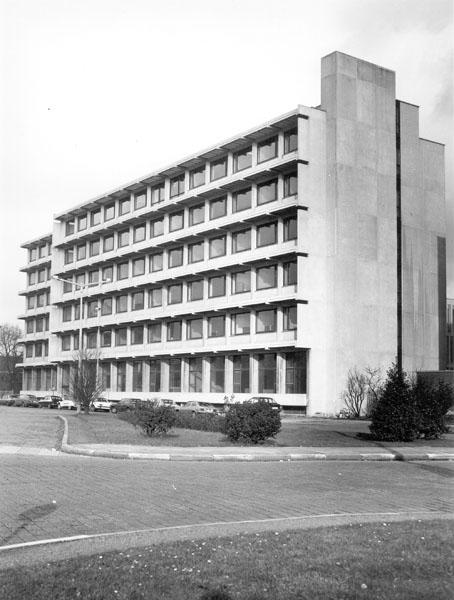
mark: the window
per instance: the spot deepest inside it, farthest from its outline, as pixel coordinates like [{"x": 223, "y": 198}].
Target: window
[
  {"x": 195, "y": 329},
  {"x": 80, "y": 280},
  {"x": 121, "y": 376},
  {"x": 137, "y": 335},
  {"x": 177, "y": 186},
  {"x": 32, "y": 254},
  {"x": 122, "y": 303},
  {"x": 69, "y": 227},
  {"x": 196, "y": 252},
  {"x": 218, "y": 208},
  {"x": 123, "y": 238},
  {"x": 196, "y": 214},
  {"x": 38, "y": 349},
  {"x": 137, "y": 301},
  {"x": 121, "y": 336},
  {"x": 29, "y": 350},
  {"x": 66, "y": 342},
  {"x": 267, "y": 373},
  {"x": 92, "y": 339},
  {"x": 95, "y": 217},
  {"x": 137, "y": 376},
  {"x": 41, "y": 275},
  {"x": 66, "y": 314},
  {"x": 40, "y": 324},
  {"x": 241, "y": 240},
  {"x": 290, "y": 185},
  {"x": 140, "y": 200},
  {"x": 267, "y": 149},
  {"x": 106, "y": 338},
  {"x": 217, "y": 246},
  {"x": 175, "y": 294},
  {"x": 107, "y": 274},
  {"x": 155, "y": 297},
  {"x": 82, "y": 223},
  {"x": 289, "y": 314},
  {"x": 94, "y": 248},
  {"x": 92, "y": 309},
  {"x": 265, "y": 321},
  {"x": 195, "y": 374},
  {"x": 106, "y": 306},
  {"x": 81, "y": 252},
  {"x": 176, "y": 221},
  {"x": 155, "y": 376},
  {"x": 266, "y": 277},
  {"x": 217, "y": 371},
  {"x": 108, "y": 243},
  {"x": 240, "y": 363},
  {"x": 197, "y": 177},
  {"x": 41, "y": 251},
  {"x": 123, "y": 271},
  {"x": 290, "y": 141},
  {"x": 267, "y": 234},
  {"x": 242, "y": 159},
  {"x": 216, "y": 286},
  {"x": 125, "y": 206},
  {"x": 76, "y": 312},
  {"x": 156, "y": 262},
  {"x": 290, "y": 273},
  {"x": 138, "y": 267},
  {"x": 157, "y": 228},
  {"x": 93, "y": 277},
  {"x": 218, "y": 168},
  {"x": 40, "y": 300},
  {"x": 32, "y": 278},
  {"x": 69, "y": 255},
  {"x": 242, "y": 200},
  {"x": 105, "y": 376},
  {"x": 290, "y": 228},
  {"x": 241, "y": 324},
  {"x": 267, "y": 192},
  {"x": 109, "y": 212},
  {"x": 216, "y": 326},
  {"x": 174, "y": 331},
  {"x": 139, "y": 233},
  {"x": 175, "y": 375},
  {"x": 30, "y": 324},
  {"x": 176, "y": 257},
  {"x": 295, "y": 372},
  {"x": 154, "y": 333},
  {"x": 241, "y": 282},
  {"x": 158, "y": 194},
  {"x": 195, "y": 290}
]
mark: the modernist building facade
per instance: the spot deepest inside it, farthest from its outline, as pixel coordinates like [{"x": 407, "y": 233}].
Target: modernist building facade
[
  {"x": 268, "y": 264},
  {"x": 450, "y": 335}
]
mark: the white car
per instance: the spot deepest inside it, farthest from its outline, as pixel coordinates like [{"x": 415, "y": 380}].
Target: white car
[
  {"x": 197, "y": 407},
  {"x": 101, "y": 404},
  {"x": 68, "y": 404}
]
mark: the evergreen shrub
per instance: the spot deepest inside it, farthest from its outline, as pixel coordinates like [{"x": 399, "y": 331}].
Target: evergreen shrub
[{"x": 252, "y": 422}]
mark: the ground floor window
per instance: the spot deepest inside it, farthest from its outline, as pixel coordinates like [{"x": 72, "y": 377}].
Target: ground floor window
[
  {"x": 121, "y": 376},
  {"x": 295, "y": 372},
  {"x": 155, "y": 375},
  {"x": 105, "y": 376},
  {"x": 137, "y": 376},
  {"x": 267, "y": 373},
  {"x": 175, "y": 375},
  {"x": 38, "y": 379},
  {"x": 241, "y": 374},
  {"x": 65, "y": 379},
  {"x": 217, "y": 377},
  {"x": 195, "y": 374}
]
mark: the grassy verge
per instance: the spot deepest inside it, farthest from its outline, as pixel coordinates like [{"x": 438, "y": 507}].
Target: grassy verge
[{"x": 384, "y": 560}]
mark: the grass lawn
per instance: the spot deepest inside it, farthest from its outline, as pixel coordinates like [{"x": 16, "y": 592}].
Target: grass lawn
[{"x": 381, "y": 561}]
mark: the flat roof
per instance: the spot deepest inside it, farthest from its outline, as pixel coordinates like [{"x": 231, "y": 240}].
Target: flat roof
[{"x": 37, "y": 241}]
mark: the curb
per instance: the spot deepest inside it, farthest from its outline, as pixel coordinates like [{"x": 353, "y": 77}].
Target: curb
[{"x": 245, "y": 457}]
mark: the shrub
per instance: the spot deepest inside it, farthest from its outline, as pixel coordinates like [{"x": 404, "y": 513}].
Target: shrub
[
  {"x": 432, "y": 403},
  {"x": 252, "y": 421},
  {"x": 5, "y": 402},
  {"x": 18, "y": 402},
  {"x": 200, "y": 422},
  {"x": 151, "y": 418}
]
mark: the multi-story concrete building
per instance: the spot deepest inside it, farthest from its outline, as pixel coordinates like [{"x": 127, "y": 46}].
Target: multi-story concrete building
[
  {"x": 450, "y": 335},
  {"x": 268, "y": 264}
]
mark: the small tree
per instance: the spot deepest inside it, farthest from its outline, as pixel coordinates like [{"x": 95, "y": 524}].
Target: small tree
[
  {"x": 85, "y": 383},
  {"x": 10, "y": 353},
  {"x": 432, "y": 402},
  {"x": 355, "y": 393}
]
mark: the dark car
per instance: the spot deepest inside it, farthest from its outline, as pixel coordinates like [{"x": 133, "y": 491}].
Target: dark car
[
  {"x": 50, "y": 401},
  {"x": 271, "y": 401},
  {"x": 28, "y": 400},
  {"x": 125, "y": 404}
]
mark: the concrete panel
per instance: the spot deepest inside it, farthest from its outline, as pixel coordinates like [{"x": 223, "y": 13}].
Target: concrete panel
[
  {"x": 367, "y": 237},
  {"x": 366, "y": 147},
  {"x": 366, "y": 190},
  {"x": 346, "y": 142},
  {"x": 365, "y": 99}
]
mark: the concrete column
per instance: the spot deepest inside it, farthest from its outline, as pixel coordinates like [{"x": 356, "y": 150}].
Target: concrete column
[
  {"x": 165, "y": 375},
  {"x": 228, "y": 375},
  {"x": 184, "y": 375},
  {"x": 254, "y": 374},
  {"x": 128, "y": 375},
  {"x": 113, "y": 377},
  {"x": 280, "y": 373},
  {"x": 253, "y": 193},
  {"x": 254, "y": 154},
  {"x": 206, "y": 374}
]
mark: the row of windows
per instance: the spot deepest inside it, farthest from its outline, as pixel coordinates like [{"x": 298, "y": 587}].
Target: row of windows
[
  {"x": 39, "y": 276},
  {"x": 176, "y": 221},
  {"x": 39, "y": 252},
  {"x": 266, "y": 277},
  {"x": 266, "y": 150},
  {"x": 38, "y": 300},
  {"x": 37, "y": 325},
  {"x": 240, "y": 324},
  {"x": 40, "y": 379},
  {"x": 37, "y": 349}
]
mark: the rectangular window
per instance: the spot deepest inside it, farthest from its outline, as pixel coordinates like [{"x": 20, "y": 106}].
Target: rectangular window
[
  {"x": 241, "y": 324},
  {"x": 40, "y": 300},
  {"x": 242, "y": 159},
  {"x": 240, "y": 363},
  {"x": 267, "y": 234},
  {"x": 267, "y": 373},
  {"x": 196, "y": 252},
  {"x": 125, "y": 206},
  {"x": 155, "y": 297},
  {"x": 154, "y": 333},
  {"x": 121, "y": 376},
  {"x": 195, "y": 374},
  {"x": 81, "y": 252},
  {"x": 92, "y": 340},
  {"x": 267, "y": 192},
  {"x": 242, "y": 200},
  {"x": 69, "y": 227},
  {"x": 32, "y": 278},
  {"x": 94, "y": 248},
  {"x": 155, "y": 376},
  {"x": 123, "y": 271},
  {"x": 106, "y": 338},
  {"x": 196, "y": 214},
  {"x": 156, "y": 262},
  {"x": 40, "y": 324},
  {"x": 158, "y": 194},
  {"x": 121, "y": 303},
  {"x": 123, "y": 238},
  {"x": 175, "y": 294},
  {"x": 140, "y": 200},
  {"x": 241, "y": 282},
  {"x": 175, "y": 375},
  {"x": 217, "y": 374},
  {"x": 265, "y": 321},
  {"x": 77, "y": 311},
  {"x": 267, "y": 149},
  {"x": 107, "y": 274},
  {"x": 137, "y": 335},
  {"x": 82, "y": 223},
  {"x": 121, "y": 336},
  {"x": 95, "y": 217},
  {"x": 137, "y": 300},
  {"x": 218, "y": 169},
  {"x": 216, "y": 326},
  {"x": 106, "y": 306},
  {"x": 290, "y": 273},
  {"x": 217, "y": 246},
  {"x": 175, "y": 257},
  {"x": 108, "y": 243},
  {"x": 38, "y": 349},
  {"x": 176, "y": 221},
  {"x": 267, "y": 277},
  {"x": 290, "y": 229},
  {"x": 195, "y": 329},
  {"x": 92, "y": 309},
  {"x": 69, "y": 255},
  {"x": 93, "y": 277},
  {"x": 30, "y": 323},
  {"x": 197, "y": 177},
  {"x": 218, "y": 208},
  {"x": 290, "y": 185},
  {"x": 216, "y": 286},
  {"x": 289, "y": 314},
  {"x": 177, "y": 186},
  {"x": 138, "y": 267},
  {"x": 29, "y": 350},
  {"x": 290, "y": 141},
  {"x": 80, "y": 280},
  {"x": 32, "y": 254},
  {"x": 41, "y": 275},
  {"x": 241, "y": 240},
  {"x": 195, "y": 290},
  {"x": 174, "y": 331},
  {"x": 67, "y": 314},
  {"x": 109, "y": 212},
  {"x": 41, "y": 251},
  {"x": 66, "y": 342},
  {"x": 156, "y": 228},
  {"x": 139, "y": 233},
  {"x": 105, "y": 376}
]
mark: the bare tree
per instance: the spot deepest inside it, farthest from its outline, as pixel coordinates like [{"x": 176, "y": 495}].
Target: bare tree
[
  {"x": 86, "y": 385},
  {"x": 355, "y": 392},
  {"x": 10, "y": 351},
  {"x": 374, "y": 387}
]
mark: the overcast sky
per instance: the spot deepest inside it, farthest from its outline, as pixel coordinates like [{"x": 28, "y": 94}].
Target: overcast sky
[{"x": 96, "y": 93}]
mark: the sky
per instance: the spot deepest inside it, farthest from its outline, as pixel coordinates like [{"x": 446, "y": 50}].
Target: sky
[{"x": 96, "y": 93}]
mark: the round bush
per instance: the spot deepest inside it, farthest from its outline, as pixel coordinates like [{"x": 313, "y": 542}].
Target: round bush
[{"x": 252, "y": 422}]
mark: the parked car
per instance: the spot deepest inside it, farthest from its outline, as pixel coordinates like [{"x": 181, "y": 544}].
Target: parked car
[
  {"x": 67, "y": 404},
  {"x": 196, "y": 407},
  {"x": 125, "y": 404},
  {"x": 28, "y": 400},
  {"x": 168, "y": 402},
  {"x": 271, "y": 401},
  {"x": 101, "y": 404},
  {"x": 50, "y": 401}
]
